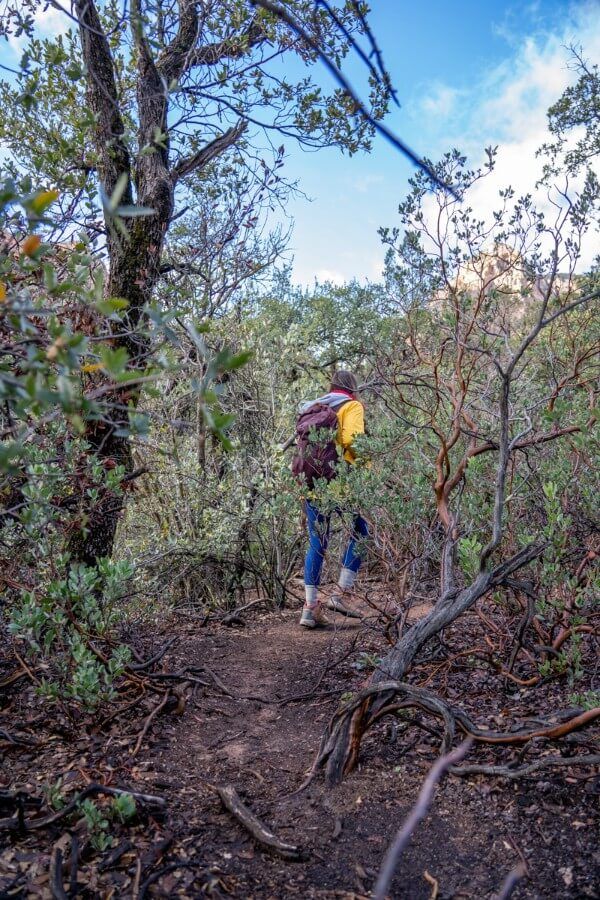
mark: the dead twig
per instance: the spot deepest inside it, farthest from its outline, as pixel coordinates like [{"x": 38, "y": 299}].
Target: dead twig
[
  {"x": 73, "y": 866},
  {"x": 511, "y": 881},
  {"x": 417, "y": 813},
  {"x": 228, "y": 692},
  {"x": 435, "y": 887},
  {"x": 139, "y": 667},
  {"x": 135, "y": 889},
  {"x": 232, "y": 802},
  {"x": 149, "y": 720},
  {"x": 26, "y": 669},
  {"x": 233, "y": 616},
  {"x": 13, "y": 677},
  {"x": 56, "y": 879},
  {"x": 179, "y": 692}
]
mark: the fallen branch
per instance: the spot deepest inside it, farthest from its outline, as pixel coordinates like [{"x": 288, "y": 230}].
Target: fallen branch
[
  {"x": 16, "y": 740},
  {"x": 13, "y": 677},
  {"x": 418, "y": 812},
  {"x": 227, "y": 691},
  {"x": 73, "y": 866},
  {"x": 149, "y": 721},
  {"x": 234, "y": 616},
  {"x": 232, "y": 802}
]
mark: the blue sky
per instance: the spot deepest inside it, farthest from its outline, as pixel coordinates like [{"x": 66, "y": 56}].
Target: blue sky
[{"x": 468, "y": 74}]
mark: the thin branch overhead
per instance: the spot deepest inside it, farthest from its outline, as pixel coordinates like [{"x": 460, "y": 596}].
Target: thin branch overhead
[{"x": 361, "y": 108}]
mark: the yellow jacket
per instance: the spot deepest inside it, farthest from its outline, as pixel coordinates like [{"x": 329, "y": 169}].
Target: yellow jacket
[{"x": 351, "y": 421}]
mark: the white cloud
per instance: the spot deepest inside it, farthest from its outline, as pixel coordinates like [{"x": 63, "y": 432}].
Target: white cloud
[
  {"x": 333, "y": 275},
  {"x": 508, "y": 109},
  {"x": 363, "y": 183},
  {"x": 376, "y": 266},
  {"x": 518, "y": 93},
  {"x": 48, "y": 23},
  {"x": 441, "y": 100},
  {"x": 506, "y": 105}
]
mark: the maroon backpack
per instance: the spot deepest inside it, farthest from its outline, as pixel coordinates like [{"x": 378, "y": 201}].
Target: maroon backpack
[{"x": 316, "y": 451}]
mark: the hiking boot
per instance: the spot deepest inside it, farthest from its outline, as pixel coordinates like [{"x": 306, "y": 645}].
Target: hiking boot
[
  {"x": 314, "y": 617},
  {"x": 336, "y": 604}
]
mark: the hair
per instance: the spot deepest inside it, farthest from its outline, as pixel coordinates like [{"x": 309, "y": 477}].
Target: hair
[{"x": 344, "y": 381}]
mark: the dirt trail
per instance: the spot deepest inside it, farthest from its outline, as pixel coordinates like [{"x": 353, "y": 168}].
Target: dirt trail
[
  {"x": 476, "y": 832},
  {"x": 467, "y": 844},
  {"x": 265, "y": 749}
]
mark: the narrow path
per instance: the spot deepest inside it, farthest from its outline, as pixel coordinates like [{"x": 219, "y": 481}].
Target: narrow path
[{"x": 265, "y": 748}]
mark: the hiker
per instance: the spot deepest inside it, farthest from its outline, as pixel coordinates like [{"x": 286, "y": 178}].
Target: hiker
[{"x": 339, "y": 416}]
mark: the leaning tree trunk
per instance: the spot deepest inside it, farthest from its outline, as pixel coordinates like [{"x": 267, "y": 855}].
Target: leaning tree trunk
[{"x": 341, "y": 744}]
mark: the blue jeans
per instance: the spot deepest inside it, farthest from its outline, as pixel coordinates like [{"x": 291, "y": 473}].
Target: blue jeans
[{"x": 318, "y": 539}]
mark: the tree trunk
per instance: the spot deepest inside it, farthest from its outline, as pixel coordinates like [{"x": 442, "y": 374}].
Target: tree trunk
[
  {"x": 134, "y": 271},
  {"x": 134, "y": 258}
]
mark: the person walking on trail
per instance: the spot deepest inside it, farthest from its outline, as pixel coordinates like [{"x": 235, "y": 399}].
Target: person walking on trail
[{"x": 326, "y": 428}]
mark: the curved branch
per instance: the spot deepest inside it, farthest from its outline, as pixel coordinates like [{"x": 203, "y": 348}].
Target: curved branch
[
  {"x": 418, "y": 812},
  {"x": 209, "y": 151},
  {"x": 232, "y": 48}
]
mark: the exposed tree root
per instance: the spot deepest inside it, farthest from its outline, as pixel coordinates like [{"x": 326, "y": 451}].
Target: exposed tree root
[
  {"x": 552, "y": 730},
  {"x": 545, "y": 762},
  {"x": 349, "y": 724},
  {"x": 139, "y": 667},
  {"x": 341, "y": 743}
]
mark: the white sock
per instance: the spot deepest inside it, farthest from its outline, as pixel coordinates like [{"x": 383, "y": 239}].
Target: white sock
[
  {"x": 310, "y": 591},
  {"x": 346, "y": 579}
]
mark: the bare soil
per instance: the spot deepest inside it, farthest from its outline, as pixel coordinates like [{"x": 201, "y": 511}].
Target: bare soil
[{"x": 477, "y": 829}]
